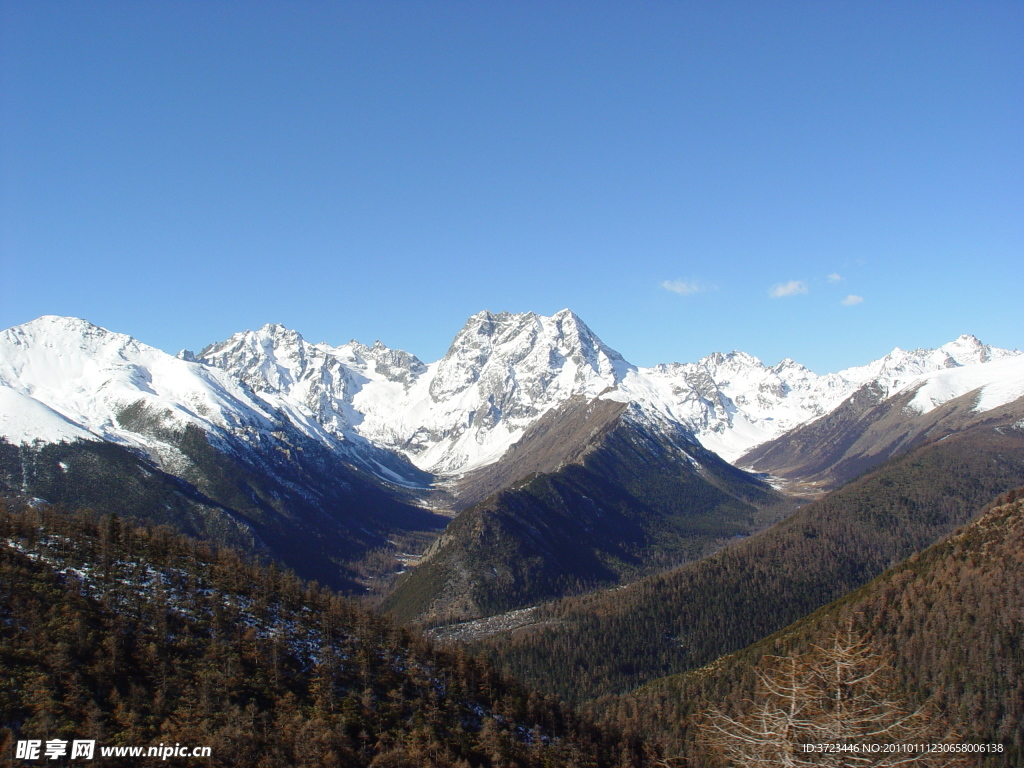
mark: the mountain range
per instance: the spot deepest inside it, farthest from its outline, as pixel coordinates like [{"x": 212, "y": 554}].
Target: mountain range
[
  {"x": 348, "y": 461},
  {"x": 607, "y": 533},
  {"x": 64, "y": 378}
]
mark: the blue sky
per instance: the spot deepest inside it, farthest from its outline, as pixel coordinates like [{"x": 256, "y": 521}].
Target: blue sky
[{"x": 182, "y": 171}]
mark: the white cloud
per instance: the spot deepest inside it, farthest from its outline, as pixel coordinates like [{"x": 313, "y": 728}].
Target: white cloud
[
  {"x": 834, "y": 278},
  {"x": 682, "y": 287},
  {"x": 792, "y": 288},
  {"x": 850, "y": 300}
]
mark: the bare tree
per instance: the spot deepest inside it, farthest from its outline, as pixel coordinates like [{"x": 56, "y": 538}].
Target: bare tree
[{"x": 836, "y": 705}]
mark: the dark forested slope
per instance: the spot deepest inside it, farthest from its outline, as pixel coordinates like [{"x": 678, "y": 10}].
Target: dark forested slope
[
  {"x": 948, "y": 620},
  {"x": 613, "y": 641},
  {"x": 136, "y": 636},
  {"x": 607, "y": 498},
  {"x": 305, "y": 507}
]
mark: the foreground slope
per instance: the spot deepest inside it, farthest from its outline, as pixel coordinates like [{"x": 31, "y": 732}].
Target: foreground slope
[
  {"x": 947, "y": 619},
  {"x": 614, "y": 641},
  {"x": 137, "y": 637}
]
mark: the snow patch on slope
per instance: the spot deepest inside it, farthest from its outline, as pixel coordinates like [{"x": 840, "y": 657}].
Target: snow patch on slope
[
  {"x": 999, "y": 383},
  {"x": 25, "y": 420}
]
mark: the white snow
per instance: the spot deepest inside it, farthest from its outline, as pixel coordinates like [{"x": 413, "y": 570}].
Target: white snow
[
  {"x": 999, "y": 382},
  {"x": 500, "y": 375},
  {"x": 503, "y": 372},
  {"x": 25, "y": 420},
  {"x": 63, "y": 378}
]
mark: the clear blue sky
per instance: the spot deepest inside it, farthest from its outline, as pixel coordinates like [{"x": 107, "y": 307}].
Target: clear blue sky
[{"x": 181, "y": 171}]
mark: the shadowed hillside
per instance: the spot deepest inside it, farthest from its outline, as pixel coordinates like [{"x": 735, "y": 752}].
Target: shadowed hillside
[
  {"x": 138, "y": 636},
  {"x": 613, "y": 641},
  {"x": 948, "y": 619}
]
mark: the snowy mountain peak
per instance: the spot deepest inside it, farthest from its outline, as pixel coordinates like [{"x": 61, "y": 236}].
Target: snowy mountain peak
[
  {"x": 50, "y": 329},
  {"x": 969, "y": 350},
  {"x": 788, "y": 364},
  {"x": 502, "y": 372},
  {"x": 112, "y": 387},
  {"x": 269, "y": 360},
  {"x": 393, "y": 364},
  {"x": 60, "y": 324},
  {"x": 524, "y": 354},
  {"x": 901, "y": 366},
  {"x": 730, "y": 361}
]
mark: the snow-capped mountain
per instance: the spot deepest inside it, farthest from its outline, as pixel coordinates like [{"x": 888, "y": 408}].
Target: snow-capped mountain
[
  {"x": 62, "y": 378},
  {"x": 500, "y": 375},
  {"x": 317, "y": 379},
  {"x": 733, "y": 402},
  {"x": 85, "y": 377},
  {"x": 900, "y": 367},
  {"x": 998, "y": 383},
  {"x": 114, "y": 424},
  {"x": 875, "y": 424}
]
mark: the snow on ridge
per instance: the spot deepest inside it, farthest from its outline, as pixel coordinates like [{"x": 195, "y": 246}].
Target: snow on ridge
[
  {"x": 998, "y": 382},
  {"x": 87, "y": 373},
  {"x": 501, "y": 373},
  {"x": 899, "y": 367},
  {"x": 68, "y": 379}
]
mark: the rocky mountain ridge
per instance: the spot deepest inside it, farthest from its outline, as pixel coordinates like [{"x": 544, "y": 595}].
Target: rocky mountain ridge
[
  {"x": 399, "y": 418},
  {"x": 504, "y": 371}
]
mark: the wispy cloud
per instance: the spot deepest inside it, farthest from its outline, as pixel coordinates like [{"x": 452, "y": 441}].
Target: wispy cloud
[
  {"x": 792, "y": 288},
  {"x": 851, "y": 300},
  {"x": 834, "y": 277},
  {"x": 683, "y": 287}
]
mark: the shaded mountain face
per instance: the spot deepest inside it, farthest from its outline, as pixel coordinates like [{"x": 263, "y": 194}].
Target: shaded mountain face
[
  {"x": 606, "y": 495},
  {"x": 613, "y": 641},
  {"x": 305, "y": 508}
]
